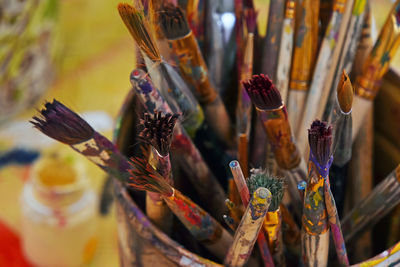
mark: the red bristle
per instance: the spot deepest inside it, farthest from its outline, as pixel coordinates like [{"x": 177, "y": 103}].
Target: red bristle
[
  {"x": 145, "y": 177},
  {"x": 263, "y": 92}
]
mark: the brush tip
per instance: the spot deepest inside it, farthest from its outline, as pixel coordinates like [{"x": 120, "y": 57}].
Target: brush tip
[
  {"x": 345, "y": 93},
  {"x": 261, "y": 178},
  {"x": 173, "y": 22},
  {"x": 320, "y": 139},
  {"x": 62, "y": 124},
  {"x": 157, "y": 130},
  {"x": 263, "y": 92}
]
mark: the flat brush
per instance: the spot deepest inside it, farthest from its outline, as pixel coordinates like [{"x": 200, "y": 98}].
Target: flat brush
[
  {"x": 157, "y": 131},
  {"x": 247, "y": 232},
  {"x": 273, "y": 220},
  {"x": 201, "y": 225},
  {"x": 194, "y": 70},
  {"x": 64, "y": 125},
  {"x": 199, "y": 174},
  {"x": 174, "y": 89},
  {"x": 315, "y": 225},
  {"x": 376, "y": 65},
  {"x": 272, "y": 112}
]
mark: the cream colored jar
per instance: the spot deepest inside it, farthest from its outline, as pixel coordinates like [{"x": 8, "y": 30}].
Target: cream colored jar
[{"x": 58, "y": 214}]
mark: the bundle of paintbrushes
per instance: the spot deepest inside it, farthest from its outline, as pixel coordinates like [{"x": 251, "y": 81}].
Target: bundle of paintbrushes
[{"x": 195, "y": 106}]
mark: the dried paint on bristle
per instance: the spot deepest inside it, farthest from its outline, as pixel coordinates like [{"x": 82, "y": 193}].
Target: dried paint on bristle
[
  {"x": 261, "y": 178},
  {"x": 251, "y": 20},
  {"x": 263, "y": 92},
  {"x": 320, "y": 139},
  {"x": 138, "y": 27},
  {"x": 173, "y": 22},
  {"x": 157, "y": 130},
  {"x": 62, "y": 124},
  {"x": 145, "y": 177},
  {"x": 345, "y": 93}
]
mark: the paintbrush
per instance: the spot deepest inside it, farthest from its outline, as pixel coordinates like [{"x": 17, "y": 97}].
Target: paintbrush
[
  {"x": 173, "y": 88},
  {"x": 383, "y": 198},
  {"x": 273, "y": 115},
  {"x": 249, "y": 228},
  {"x": 190, "y": 158},
  {"x": 139, "y": 226},
  {"x": 244, "y": 107},
  {"x": 375, "y": 66},
  {"x": 324, "y": 69},
  {"x": 157, "y": 131},
  {"x": 62, "y": 124},
  {"x": 348, "y": 51},
  {"x": 286, "y": 48},
  {"x": 194, "y": 70},
  {"x": 320, "y": 137},
  {"x": 389, "y": 257},
  {"x": 245, "y": 196},
  {"x": 271, "y": 44},
  {"x": 341, "y": 119},
  {"x": 273, "y": 220},
  {"x": 315, "y": 227},
  {"x": 200, "y": 224},
  {"x": 305, "y": 51}
]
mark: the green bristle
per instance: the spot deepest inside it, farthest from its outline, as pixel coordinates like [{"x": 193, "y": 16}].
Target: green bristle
[{"x": 260, "y": 178}]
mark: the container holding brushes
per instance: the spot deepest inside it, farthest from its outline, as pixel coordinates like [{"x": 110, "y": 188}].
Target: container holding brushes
[{"x": 177, "y": 203}]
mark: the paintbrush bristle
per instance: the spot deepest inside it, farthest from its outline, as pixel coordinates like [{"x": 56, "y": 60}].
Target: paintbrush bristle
[
  {"x": 260, "y": 178},
  {"x": 320, "y": 139},
  {"x": 60, "y": 123},
  {"x": 157, "y": 130},
  {"x": 251, "y": 20},
  {"x": 145, "y": 177},
  {"x": 345, "y": 93},
  {"x": 140, "y": 30},
  {"x": 173, "y": 22},
  {"x": 263, "y": 92}
]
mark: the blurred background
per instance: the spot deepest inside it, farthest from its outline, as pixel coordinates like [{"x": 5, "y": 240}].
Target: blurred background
[{"x": 85, "y": 55}]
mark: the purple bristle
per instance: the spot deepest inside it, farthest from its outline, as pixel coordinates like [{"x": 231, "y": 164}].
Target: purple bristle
[
  {"x": 263, "y": 92},
  {"x": 157, "y": 130},
  {"x": 60, "y": 123},
  {"x": 320, "y": 139}
]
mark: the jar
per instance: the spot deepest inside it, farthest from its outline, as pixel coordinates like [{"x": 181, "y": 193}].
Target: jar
[{"x": 58, "y": 214}]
